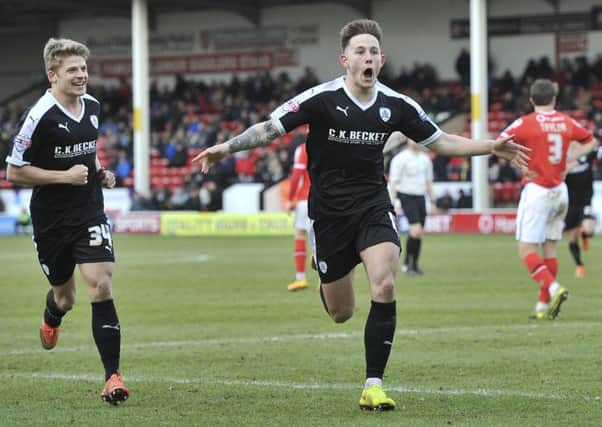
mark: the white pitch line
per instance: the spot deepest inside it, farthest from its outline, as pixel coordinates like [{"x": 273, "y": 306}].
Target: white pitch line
[
  {"x": 305, "y": 386},
  {"x": 150, "y": 258},
  {"x": 309, "y": 337},
  {"x": 184, "y": 259}
]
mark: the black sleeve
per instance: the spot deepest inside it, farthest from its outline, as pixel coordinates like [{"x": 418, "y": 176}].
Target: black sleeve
[{"x": 416, "y": 124}]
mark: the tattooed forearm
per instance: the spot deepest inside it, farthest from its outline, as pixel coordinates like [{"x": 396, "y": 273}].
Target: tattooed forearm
[
  {"x": 257, "y": 135},
  {"x": 246, "y": 140},
  {"x": 270, "y": 130}
]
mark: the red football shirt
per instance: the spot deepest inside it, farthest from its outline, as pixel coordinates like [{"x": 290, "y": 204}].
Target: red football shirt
[
  {"x": 300, "y": 174},
  {"x": 548, "y": 135}
]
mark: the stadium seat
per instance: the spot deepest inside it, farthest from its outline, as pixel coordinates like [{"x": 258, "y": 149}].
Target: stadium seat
[
  {"x": 507, "y": 192},
  {"x": 516, "y": 189},
  {"x": 159, "y": 162},
  {"x": 497, "y": 193},
  {"x": 245, "y": 166},
  {"x": 495, "y": 126},
  {"x": 157, "y": 183},
  {"x": 177, "y": 181}
]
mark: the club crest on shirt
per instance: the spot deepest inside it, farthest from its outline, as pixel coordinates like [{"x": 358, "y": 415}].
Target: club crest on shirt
[
  {"x": 94, "y": 121},
  {"x": 21, "y": 143},
  {"x": 385, "y": 113},
  {"x": 323, "y": 267}
]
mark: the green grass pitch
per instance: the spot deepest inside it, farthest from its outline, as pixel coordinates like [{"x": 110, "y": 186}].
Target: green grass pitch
[{"x": 211, "y": 337}]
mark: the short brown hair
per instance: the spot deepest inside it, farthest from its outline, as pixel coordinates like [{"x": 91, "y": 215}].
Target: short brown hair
[
  {"x": 360, "y": 26},
  {"x": 543, "y": 91},
  {"x": 56, "y": 49}
]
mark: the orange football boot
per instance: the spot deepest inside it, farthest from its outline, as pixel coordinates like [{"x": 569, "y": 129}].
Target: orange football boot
[
  {"x": 49, "y": 335},
  {"x": 114, "y": 390}
]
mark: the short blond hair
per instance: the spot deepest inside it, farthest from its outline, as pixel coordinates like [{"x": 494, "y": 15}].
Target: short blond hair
[{"x": 57, "y": 49}]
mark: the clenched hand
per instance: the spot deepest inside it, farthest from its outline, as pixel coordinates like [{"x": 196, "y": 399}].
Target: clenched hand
[{"x": 77, "y": 175}]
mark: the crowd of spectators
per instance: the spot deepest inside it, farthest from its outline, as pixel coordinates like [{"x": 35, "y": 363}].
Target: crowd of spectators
[
  {"x": 194, "y": 114},
  {"x": 580, "y": 84}
]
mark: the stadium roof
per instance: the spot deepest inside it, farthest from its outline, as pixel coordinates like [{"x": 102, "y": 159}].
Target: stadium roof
[{"x": 32, "y": 15}]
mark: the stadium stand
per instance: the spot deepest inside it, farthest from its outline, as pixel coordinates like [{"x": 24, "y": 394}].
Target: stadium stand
[{"x": 194, "y": 115}]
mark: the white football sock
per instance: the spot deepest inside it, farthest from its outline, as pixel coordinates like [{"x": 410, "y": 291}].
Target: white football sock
[
  {"x": 553, "y": 288},
  {"x": 373, "y": 381}
]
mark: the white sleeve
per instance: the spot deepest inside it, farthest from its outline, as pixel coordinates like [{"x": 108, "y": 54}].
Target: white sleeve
[
  {"x": 395, "y": 170},
  {"x": 22, "y": 142},
  {"x": 429, "y": 174}
]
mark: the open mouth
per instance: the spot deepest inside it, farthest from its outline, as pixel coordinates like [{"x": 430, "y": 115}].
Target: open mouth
[{"x": 368, "y": 74}]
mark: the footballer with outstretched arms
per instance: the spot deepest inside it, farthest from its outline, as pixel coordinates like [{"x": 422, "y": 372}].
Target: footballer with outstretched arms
[{"x": 350, "y": 118}]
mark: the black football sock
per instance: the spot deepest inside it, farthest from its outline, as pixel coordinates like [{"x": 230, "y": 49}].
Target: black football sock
[
  {"x": 107, "y": 335},
  {"x": 378, "y": 337},
  {"x": 418, "y": 245},
  {"x": 576, "y": 252},
  {"x": 410, "y": 251},
  {"x": 52, "y": 314}
]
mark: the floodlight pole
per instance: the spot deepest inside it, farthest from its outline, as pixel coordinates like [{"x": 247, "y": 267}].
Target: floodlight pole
[
  {"x": 478, "y": 96},
  {"x": 140, "y": 89}
]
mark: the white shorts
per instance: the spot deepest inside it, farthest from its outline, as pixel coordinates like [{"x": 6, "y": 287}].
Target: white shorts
[
  {"x": 301, "y": 217},
  {"x": 541, "y": 213}
]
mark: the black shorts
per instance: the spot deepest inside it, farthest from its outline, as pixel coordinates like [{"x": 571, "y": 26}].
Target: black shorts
[
  {"x": 575, "y": 215},
  {"x": 414, "y": 208},
  {"x": 339, "y": 241},
  {"x": 61, "y": 249}
]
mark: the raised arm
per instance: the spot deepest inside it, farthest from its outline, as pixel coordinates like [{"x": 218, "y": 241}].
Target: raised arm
[
  {"x": 258, "y": 135},
  {"x": 458, "y": 146}
]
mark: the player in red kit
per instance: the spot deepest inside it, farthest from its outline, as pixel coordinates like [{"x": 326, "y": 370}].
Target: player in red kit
[
  {"x": 299, "y": 191},
  {"x": 544, "y": 200}
]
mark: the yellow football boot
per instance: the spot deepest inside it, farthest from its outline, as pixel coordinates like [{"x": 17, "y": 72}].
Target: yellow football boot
[
  {"x": 375, "y": 399},
  {"x": 297, "y": 285},
  {"x": 561, "y": 295}
]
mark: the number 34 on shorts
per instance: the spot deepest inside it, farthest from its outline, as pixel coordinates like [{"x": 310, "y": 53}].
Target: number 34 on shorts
[{"x": 100, "y": 235}]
